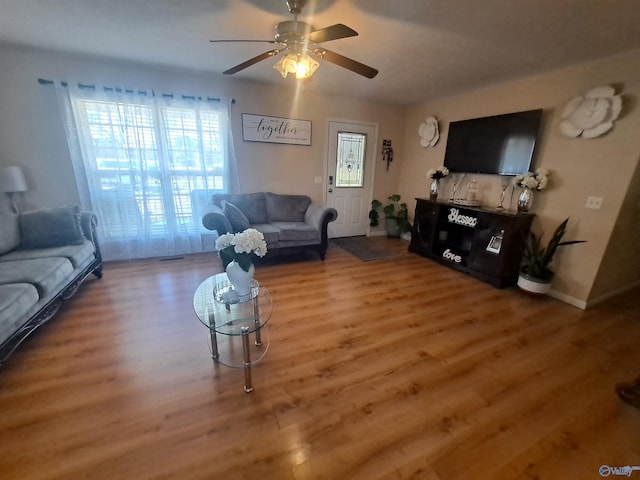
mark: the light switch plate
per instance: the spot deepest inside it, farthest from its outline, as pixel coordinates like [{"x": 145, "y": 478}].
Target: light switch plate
[{"x": 317, "y": 180}]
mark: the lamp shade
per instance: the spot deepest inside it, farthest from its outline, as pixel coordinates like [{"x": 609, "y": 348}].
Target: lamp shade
[
  {"x": 300, "y": 65},
  {"x": 12, "y": 180}
]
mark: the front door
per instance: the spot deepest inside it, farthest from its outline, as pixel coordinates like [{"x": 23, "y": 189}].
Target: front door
[{"x": 350, "y": 166}]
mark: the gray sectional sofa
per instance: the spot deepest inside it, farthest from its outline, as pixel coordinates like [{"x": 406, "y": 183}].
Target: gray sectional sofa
[
  {"x": 289, "y": 223},
  {"x": 44, "y": 257}
]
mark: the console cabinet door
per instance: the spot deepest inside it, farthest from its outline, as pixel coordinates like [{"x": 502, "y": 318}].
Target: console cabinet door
[
  {"x": 424, "y": 227},
  {"x": 499, "y": 244},
  {"x": 491, "y": 244}
]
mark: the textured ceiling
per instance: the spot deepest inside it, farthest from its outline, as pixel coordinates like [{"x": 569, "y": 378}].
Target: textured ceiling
[{"x": 424, "y": 49}]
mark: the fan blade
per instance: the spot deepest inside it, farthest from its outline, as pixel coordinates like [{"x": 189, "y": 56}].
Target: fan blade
[
  {"x": 251, "y": 61},
  {"x": 333, "y": 32},
  {"x": 344, "y": 62},
  {"x": 254, "y": 41}
]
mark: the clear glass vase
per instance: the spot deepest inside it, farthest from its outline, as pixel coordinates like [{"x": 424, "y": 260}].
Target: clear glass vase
[
  {"x": 433, "y": 189},
  {"x": 525, "y": 200}
]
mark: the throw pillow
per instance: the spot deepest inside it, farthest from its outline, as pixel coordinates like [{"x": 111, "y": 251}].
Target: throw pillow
[
  {"x": 9, "y": 230},
  {"x": 51, "y": 227},
  {"x": 237, "y": 219}
]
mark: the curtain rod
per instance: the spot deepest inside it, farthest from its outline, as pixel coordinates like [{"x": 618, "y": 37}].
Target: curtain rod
[{"x": 43, "y": 81}]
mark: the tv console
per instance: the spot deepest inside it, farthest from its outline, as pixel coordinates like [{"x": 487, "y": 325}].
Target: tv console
[{"x": 485, "y": 243}]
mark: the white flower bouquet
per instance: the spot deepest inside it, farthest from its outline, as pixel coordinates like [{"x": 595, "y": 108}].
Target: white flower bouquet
[
  {"x": 240, "y": 247},
  {"x": 437, "y": 173},
  {"x": 538, "y": 180}
]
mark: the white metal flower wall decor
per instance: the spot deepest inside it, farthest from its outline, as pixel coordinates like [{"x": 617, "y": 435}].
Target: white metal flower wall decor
[
  {"x": 429, "y": 133},
  {"x": 592, "y": 114}
]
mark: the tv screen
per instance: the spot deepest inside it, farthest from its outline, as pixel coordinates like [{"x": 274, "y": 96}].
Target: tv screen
[{"x": 502, "y": 144}]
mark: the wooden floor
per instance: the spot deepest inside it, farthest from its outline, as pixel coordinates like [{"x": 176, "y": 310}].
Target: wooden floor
[{"x": 385, "y": 369}]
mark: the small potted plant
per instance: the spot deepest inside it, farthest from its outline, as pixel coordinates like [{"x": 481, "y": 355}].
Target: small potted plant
[
  {"x": 535, "y": 272},
  {"x": 396, "y": 216}
]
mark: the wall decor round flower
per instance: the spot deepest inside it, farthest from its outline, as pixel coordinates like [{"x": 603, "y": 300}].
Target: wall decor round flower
[
  {"x": 429, "y": 133},
  {"x": 592, "y": 114}
]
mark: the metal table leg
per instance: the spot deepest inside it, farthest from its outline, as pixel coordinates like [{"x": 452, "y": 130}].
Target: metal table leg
[
  {"x": 247, "y": 360},
  {"x": 256, "y": 319},
  {"x": 214, "y": 340}
]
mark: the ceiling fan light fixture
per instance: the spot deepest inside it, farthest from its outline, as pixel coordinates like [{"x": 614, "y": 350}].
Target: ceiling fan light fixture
[
  {"x": 300, "y": 65},
  {"x": 298, "y": 40}
]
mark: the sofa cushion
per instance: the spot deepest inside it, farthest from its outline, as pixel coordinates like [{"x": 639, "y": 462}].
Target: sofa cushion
[
  {"x": 9, "y": 230},
  {"x": 51, "y": 227},
  {"x": 286, "y": 208},
  {"x": 46, "y": 274},
  {"x": 76, "y": 254},
  {"x": 296, "y": 231},
  {"x": 269, "y": 231},
  {"x": 16, "y": 300},
  {"x": 238, "y": 220}
]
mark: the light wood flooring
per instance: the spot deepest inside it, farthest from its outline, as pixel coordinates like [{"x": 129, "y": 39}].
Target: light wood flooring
[{"x": 390, "y": 369}]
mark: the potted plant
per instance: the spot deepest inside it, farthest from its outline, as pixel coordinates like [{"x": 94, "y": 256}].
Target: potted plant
[
  {"x": 535, "y": 272},
  {"x": 396, "y": 216},
  {"x": 374, "y": 215}
]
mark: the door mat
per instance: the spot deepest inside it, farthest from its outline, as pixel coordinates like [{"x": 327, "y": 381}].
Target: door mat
[{"x": 363, "y": 248}]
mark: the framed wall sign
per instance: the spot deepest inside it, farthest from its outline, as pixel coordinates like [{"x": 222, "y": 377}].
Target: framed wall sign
[{"x": 260, "y": 128}]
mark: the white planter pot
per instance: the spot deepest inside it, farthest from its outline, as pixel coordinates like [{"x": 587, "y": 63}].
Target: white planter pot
[{"x": 534, "y": 285}]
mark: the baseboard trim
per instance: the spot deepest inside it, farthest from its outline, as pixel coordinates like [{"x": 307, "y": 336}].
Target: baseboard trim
[
  {"x": 615, "y": 293},
  {"x": 581, "y": 304}
]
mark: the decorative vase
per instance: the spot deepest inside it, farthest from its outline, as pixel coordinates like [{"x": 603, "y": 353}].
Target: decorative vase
[
  {"x": 433, "y": 189},
  {"x": 240, "y": 279},
  {"x": 525, "y": 200}
]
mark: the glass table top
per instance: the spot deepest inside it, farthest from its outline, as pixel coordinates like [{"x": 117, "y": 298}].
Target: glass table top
[{"x": 218, "y": 307}]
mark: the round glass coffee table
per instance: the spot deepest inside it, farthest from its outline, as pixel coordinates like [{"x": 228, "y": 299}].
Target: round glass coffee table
[{"x": 225, "y": 313}]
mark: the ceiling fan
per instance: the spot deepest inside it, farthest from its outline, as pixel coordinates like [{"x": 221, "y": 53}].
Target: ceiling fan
[{"x": 299, "y": 41}]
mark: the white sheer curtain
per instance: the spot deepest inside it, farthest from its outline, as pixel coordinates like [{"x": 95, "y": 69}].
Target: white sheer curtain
[{"x": 147, "y": 165}]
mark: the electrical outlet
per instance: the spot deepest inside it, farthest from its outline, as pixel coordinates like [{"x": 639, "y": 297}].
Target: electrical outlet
[{"x": 594, "y": 203}]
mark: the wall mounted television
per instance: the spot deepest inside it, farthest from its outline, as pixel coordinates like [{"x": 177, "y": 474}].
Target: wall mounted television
[{"x": 498, "y": 145}]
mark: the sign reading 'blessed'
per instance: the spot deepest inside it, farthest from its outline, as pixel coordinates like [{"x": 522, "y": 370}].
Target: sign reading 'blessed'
[{"x": 260, "y": 128}]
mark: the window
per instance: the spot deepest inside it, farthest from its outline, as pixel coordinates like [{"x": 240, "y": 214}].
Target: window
[
  {"x": 350, "y": 161},
  {"x": 149, "y": 165}
]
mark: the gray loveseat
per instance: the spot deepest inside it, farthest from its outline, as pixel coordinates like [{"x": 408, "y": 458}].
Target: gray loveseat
[
  {"x": 44, "y": 256},
  {"x": 289, "y": 223}
]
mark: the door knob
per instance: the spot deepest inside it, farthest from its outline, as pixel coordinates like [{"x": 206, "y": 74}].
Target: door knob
[{"x": 330, "y": 190}]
